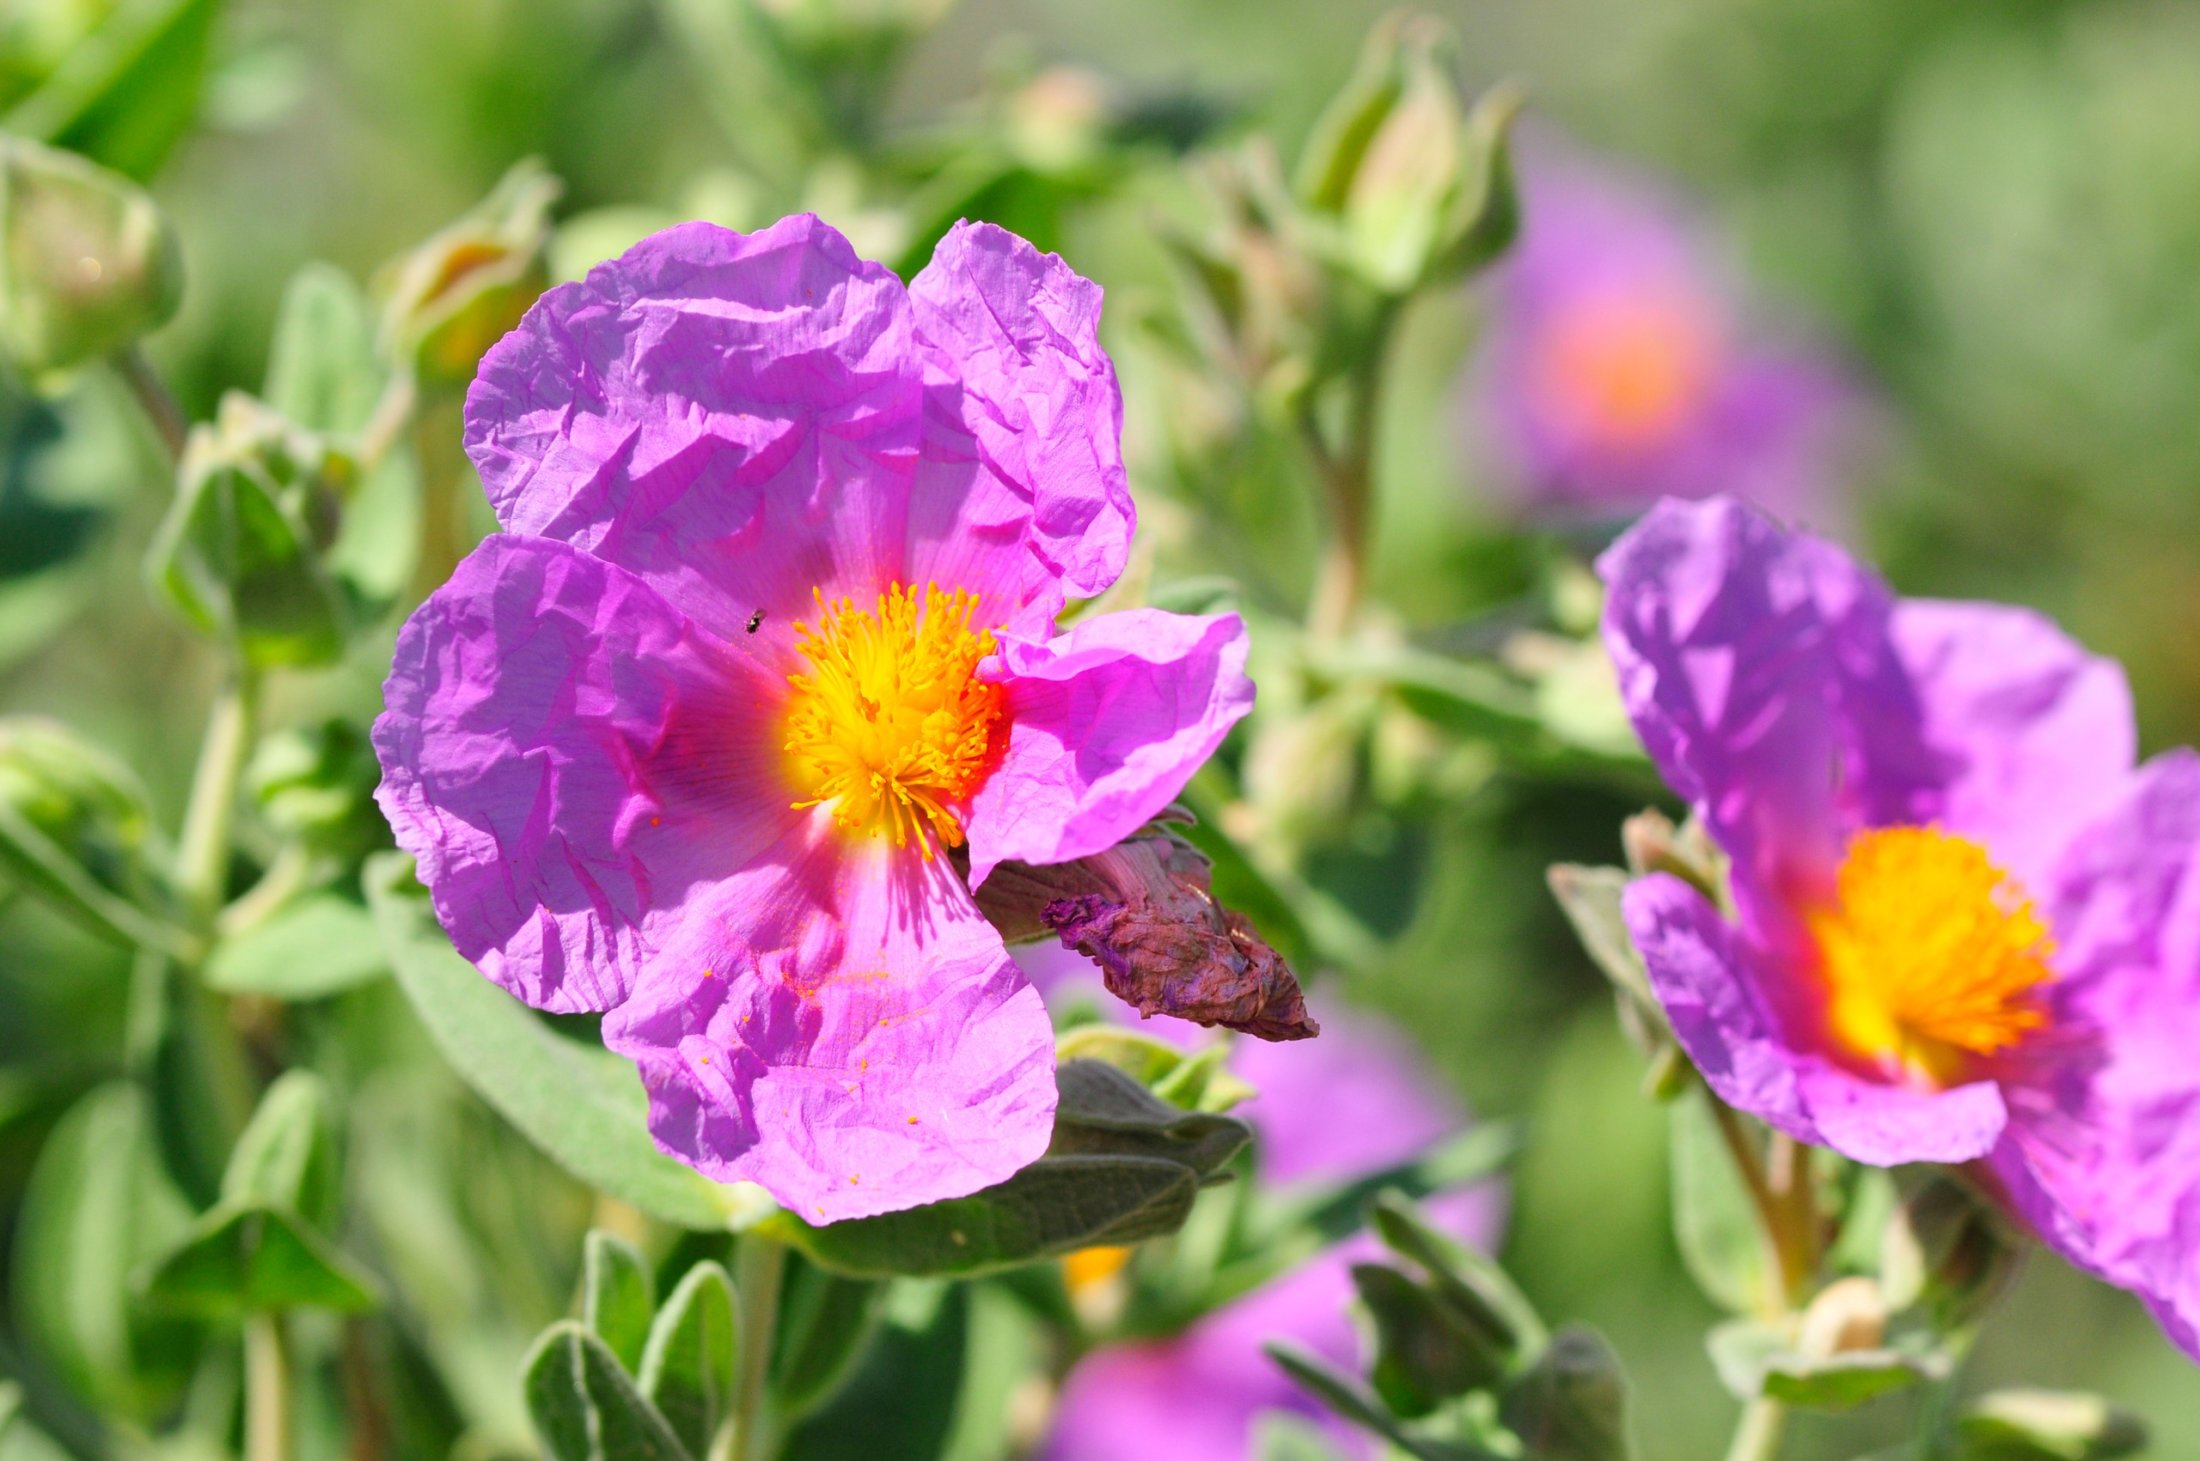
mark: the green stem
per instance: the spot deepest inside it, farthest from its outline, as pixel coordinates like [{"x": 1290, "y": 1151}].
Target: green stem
[
  {"x": 202, "y": 855},
  {"x": 1770, "y": 1206},
  {"x": 1758, "y": 1437},
  {"x": 267, "y": 1397},
  {"x": 154, "y": 399},
  {"x": 400, "y": 397},
  {"x": 760, "y": 1268},
  {"x": 1347, "y": 476}
]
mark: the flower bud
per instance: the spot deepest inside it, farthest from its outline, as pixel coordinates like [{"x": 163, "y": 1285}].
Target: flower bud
[
  {"x": 239, "y": 556},
  {"x": 1144, "y": 913},
  {"x": 1946, "y": 1249},
  {"x": 315, "y": 785},
  {"x": 75, "y": 826},
  {"x": 87, "y": 261},
  {"x": 1420, "y": 188},
  {"x": 454, "y": 296},
  {"x": 1848, "y": 1316}
]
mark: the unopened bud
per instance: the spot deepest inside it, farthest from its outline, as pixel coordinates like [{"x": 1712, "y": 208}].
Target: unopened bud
[
  {"x": 75, "y": 824},
  {"x": 1947, "y": 1249},
  {"x": 258, "y": 500},
  {"x": 87, "y": 261},
  {"x": 454, "y": 296},
  {"x": 1421, "y": 189},
  {"x": 1849, "y": 1315},
  {"x": 1143, "y": 911},
  {"x": 315, "y": 784}
]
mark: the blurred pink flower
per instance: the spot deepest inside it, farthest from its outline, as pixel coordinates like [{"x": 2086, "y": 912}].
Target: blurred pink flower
[{"x": 1624, "y": 360}]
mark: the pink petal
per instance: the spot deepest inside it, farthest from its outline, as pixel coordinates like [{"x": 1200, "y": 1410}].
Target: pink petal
[
  {"x": 1023, "y": 428},
  {"x": 1107, "y": 723},
  {"x": 886, "y": 1054},
  {"x": 734, "y": 417},
  {"x": 2038, "y": 733},
  {"x": 572, "y": 762},
  {"x": 1709, "y": 984}
]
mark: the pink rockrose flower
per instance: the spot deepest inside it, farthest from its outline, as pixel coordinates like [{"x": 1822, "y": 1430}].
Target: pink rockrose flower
[
  {"x": 769, "y": 629},
  {"x": 1964, "y": 925}
]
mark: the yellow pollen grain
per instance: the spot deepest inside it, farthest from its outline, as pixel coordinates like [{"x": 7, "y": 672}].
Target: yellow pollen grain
[
  {"x": 891, "y": 726},
  {"x": 1930, "y": 954}
]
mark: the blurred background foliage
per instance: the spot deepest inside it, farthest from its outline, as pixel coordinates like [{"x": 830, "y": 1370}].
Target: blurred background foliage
[{"x": 1989, "y": 209}]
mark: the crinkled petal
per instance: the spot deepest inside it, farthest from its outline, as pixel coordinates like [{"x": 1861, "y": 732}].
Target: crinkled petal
[
  {"x": 1705, "y": 977},
  {"x": 1024, "y": 492},
  {"x": 1107, "y": 723},
  {"x": 2039, "y": 733},
  {"x": 2103, "y": 1152},
  {"x": 1762, "y": 672},
  {"x": 888, "y": 1055},
  {"x": 571, "y": 761},
  {"x": 734, "y": 417}
]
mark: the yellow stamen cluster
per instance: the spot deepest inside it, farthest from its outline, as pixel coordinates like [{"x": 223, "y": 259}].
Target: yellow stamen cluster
[
  {"x": 891, "y": 726},
  {"x": 1930, "y": 954}
]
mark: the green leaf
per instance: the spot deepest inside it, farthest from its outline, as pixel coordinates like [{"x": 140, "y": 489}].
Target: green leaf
[
  {"x": 247, "y": 1257},
  {"x": 1572, "y": 1406},
  {"x": 20, "y": 1440},
  {"x": 1055, "y": 1206},
  {"x": 1713, "y": 1219},
  {"x": 688, "y": 1363},
  {"x": 1360, "y": 1405},
  {"x": 1123, "y": 1166},
  {"x": 618, "y": 1296},
  {"x": 2046, "y": 1425},
  {"x": 126, "y": 92},
  {"x": 322, "y": 370},
  {"x": 284, "y": 1157},
  {"x": 1754, "y": 1359},
  {"x": 1844, "y": 1381},
  {"x": 319, "y": 946},
  {"x": 1190, "y": 1080},
  {"x": 1476, "y": 1289},
  {"x": 825, "y": 1320},
  {"x": 584, "y": 1406},
  {"x": 97, "y": 1205},
  {"x": 1427, "y": 1350},
  {"x": 906, "y": 1392},
  {"x": 583, "y": 1107}
]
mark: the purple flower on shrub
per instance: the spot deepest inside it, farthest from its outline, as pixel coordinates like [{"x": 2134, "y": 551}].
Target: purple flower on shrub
[
  {"x": 770, "y": 629},
  {"x": 1965, "y": 926},
  {"x": 1623, "y": 361},
  {"x": 1355, "y": 1101}
]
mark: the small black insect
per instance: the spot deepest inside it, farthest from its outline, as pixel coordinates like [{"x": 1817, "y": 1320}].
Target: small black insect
[{"x": 756, "y": 621}]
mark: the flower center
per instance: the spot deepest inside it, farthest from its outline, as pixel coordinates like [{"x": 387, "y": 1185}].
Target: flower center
[
  {"x": 1930, "y": 953},
  {"x": 892, "y": 726},
  {"x": 1630, "y": 369}
]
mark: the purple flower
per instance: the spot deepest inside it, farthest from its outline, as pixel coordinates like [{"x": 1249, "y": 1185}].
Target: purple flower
[
  {"x": 1623, "y": 362},
  {"x": 1355, "y": 1101},
  {"x": 1965, "y": 926},
  {"x": 769, "y": 628}
]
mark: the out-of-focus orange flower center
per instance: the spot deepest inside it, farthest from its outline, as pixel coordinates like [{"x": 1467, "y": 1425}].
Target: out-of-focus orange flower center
[
  {"x": 1629, "y": 368},
  {"x": 1930, "y": 953},
  {"x": 891, "y": 726}
]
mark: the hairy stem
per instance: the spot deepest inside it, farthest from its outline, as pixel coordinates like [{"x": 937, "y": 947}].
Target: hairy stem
[
  {"x": 1763, "y": 1427},
  {"x": 267, "y": 1397},
  {"x": 760, "y": 1268},
  {"x": 202, "y": 855},
  {"x": 1347, "y": 476},
  {"x": 154, "y": 399}
]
